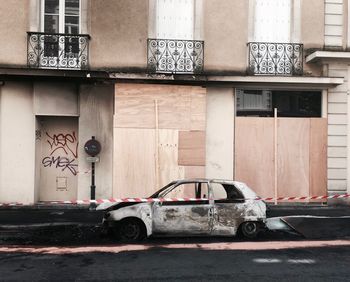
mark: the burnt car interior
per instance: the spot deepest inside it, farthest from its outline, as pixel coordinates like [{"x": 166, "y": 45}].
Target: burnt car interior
[{"x": 226, "y": 193}]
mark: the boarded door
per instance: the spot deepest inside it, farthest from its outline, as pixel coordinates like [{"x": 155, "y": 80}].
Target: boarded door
[
  {"x": 301, "y": 155},
  {"x": 59, "y": 158}
]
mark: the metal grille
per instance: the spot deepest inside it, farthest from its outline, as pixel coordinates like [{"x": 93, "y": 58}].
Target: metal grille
[
  {"x": 275, "y": 58},
  {"x": 56, "y": 50},
  {"x": 175, "y": 56}
]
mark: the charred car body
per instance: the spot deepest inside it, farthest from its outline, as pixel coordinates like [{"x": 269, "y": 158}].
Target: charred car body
[{"x": 189, "y": 208}]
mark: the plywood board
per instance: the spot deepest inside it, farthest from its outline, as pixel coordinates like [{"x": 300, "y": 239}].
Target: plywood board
[
  {"x": 198, "y": 109},
  {"x": 194, "y": 172},
  {"x": 168, "y": 157},
  {"x": 134, "y": 106},
  {"x": 293, "y": 156},
  {"x": 134, "y": 162},
  {"x": 192, "y": 148},
  {"x": 318, "y": 156},
  {"x": 254, "y": 157}
]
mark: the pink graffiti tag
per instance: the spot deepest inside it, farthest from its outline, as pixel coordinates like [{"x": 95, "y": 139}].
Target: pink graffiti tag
[{"x": 66, "y": 142}]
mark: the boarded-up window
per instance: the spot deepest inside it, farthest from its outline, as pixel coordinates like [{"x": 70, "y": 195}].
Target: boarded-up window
[
  {"x": 175, "y": 19},
  {"x": 272, "y": 21}
]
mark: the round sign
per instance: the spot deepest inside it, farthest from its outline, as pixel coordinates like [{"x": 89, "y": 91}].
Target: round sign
[{"x": 92, "y": 147}]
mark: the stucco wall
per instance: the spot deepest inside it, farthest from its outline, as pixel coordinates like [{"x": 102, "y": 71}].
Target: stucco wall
[
  {"x": 220, "y": 133},
  {"x": 96, "y": 119},
  {"x": 119, "y": 31},
  {"x": 17, "y": 143},
  {"x": 13, "y": 28},
  {"x": 225, "y": 34},
  {"x": 56, "y": 99}
]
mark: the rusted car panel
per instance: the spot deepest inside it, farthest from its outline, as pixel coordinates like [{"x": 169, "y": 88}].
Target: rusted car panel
[{"x": 224, "y": 208}]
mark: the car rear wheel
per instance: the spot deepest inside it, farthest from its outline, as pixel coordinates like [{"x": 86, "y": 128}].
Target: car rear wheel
[
  {"x": 249, "y": 229},
  {"x": 131, "y": 230}
]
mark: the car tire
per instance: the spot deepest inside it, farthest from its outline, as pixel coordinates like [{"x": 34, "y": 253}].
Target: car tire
[
  {"x": 131, "y": 229},
  {"x": 250, "y": 229}
]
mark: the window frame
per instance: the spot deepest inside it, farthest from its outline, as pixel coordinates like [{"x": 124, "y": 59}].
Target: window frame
[{"x": 61, "y": 16}]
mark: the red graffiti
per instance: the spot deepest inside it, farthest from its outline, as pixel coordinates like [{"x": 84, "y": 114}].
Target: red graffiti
[{"x": 66, "y": 142}]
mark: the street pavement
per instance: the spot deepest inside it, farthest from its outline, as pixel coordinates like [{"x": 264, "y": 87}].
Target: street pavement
[{"x": 162, "y": 260}]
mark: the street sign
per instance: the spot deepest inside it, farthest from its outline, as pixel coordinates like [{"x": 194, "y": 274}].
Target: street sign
[
  {"x": 92, "y": 159},
  {"x": 92, "y": 147}
]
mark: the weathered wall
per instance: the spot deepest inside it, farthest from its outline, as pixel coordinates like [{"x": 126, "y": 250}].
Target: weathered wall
[
  {"x": 17, "y": 143},
  {"x": 96, "y": 119},
  {"x": 220, "y": 133},
  {"x": 55, "y": 99},
  {"x": 225, "y": 34},
  {"x": 119, "y": 31},
  {"x": 312, "y": 23},
  {"x": 13, "y": 28}
]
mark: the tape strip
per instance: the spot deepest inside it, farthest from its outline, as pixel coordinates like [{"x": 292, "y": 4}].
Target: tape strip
[{"x": 147, "y": 200}]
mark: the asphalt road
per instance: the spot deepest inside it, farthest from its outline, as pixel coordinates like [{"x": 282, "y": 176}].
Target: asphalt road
[{"x": 161, "y": 260}]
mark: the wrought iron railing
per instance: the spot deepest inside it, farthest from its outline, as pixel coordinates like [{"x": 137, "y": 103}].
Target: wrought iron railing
[
  {"x": 56, "y": 50},
  {"x": 275, "y": 58},
  {"x": 175, "y": 56}
]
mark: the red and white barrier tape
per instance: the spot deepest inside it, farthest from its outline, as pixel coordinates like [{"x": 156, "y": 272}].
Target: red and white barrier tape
[{"x": 149, "y": 200}]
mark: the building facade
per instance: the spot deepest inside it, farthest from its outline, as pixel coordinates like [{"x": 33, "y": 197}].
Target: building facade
[{"x": 253, "y": 90}]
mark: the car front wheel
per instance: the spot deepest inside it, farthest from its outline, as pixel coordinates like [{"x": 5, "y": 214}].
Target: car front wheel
[
  {"x": 131, "y": 230},
  {"x": 249, "y": 229}
]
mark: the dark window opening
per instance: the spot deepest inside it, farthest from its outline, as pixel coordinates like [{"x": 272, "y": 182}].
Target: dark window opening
[{"x": 261, "y": 103}]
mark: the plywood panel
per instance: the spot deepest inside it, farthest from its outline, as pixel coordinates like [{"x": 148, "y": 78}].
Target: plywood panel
[
  {"x": 293, "y": 157},
  {"x": 179, "y": 107},
  {"x": 168, "y": 157},
  {"x": 254, "y": 157},
  {"x": 318, "y": 156},
  {"x": 192, "y": 148},
  {"x": 198, "y": 109},
  {"x": 134, "y": 162},
  {"x": 194, "y": 172}
]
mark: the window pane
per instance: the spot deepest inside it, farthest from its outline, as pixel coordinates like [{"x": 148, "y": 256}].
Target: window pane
[
  {"x": 72, "y": 7},
  {"x": 71, "y": 25},
  {"x": 51, "y": 24},
  {"x": 51, "y": 6}
]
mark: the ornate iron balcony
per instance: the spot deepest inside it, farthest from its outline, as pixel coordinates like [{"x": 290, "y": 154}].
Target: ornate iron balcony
[
  {"x": 275, "y": 58},
  {"x": 56, "y": 50},
  {"x": 175, "y": 56}
]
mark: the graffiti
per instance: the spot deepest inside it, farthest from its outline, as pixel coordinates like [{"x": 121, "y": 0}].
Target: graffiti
[
  {"x": 61, "y": 162},
  {"x": 66, "y": 142},
  {"x": 38, "y": 134},
  {"x": 65, "y": 148}
]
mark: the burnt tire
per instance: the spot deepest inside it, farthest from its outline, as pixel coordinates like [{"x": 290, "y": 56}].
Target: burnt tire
[
  {"x": 131, "y": 229},
  {"x": 250, "y": 229}
]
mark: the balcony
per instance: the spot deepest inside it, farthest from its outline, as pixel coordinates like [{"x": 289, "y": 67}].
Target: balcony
[
  {"x": 57, "y": 51},
  {"x": 175, "y": 56},
  {"x": 275, "y": 58}
]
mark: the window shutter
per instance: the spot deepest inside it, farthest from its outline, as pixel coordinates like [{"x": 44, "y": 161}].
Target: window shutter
[
  {"x": 272, "y": 21},
  {"x": 175, "y": 19}
]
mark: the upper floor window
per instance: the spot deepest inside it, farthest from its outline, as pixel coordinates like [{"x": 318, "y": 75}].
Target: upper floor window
[
  {"x": 272, "y": 21},
  {"x": 61, "y": 16},
  {"x": 175, "y": 19}
]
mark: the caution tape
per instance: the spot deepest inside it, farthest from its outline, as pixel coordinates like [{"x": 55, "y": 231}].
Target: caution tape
[{"x": 150, "y": 200}]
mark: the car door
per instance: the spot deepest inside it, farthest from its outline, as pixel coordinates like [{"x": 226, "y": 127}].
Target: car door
[
  {"x": 229, "y": 208},
  {"x": 183, "y": 217}
]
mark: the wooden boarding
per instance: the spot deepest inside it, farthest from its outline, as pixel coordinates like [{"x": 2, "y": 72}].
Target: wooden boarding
[
  {"x": 180, "y": 107},
  {"x": 134, "y": 163},
  {"x": 194, "y": 172},
  {"x": 301, "y": 155},
  {"x": 318, "y": 157},
  {"x": 192, "y": 148},
  {"x": 168, "y": 157},
  {"x": 254, "y": 154},
  {"x": 293, "y": 156}
]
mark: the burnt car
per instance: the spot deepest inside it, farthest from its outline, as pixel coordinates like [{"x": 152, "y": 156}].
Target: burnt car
[{"x": 198, "y": 207}]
